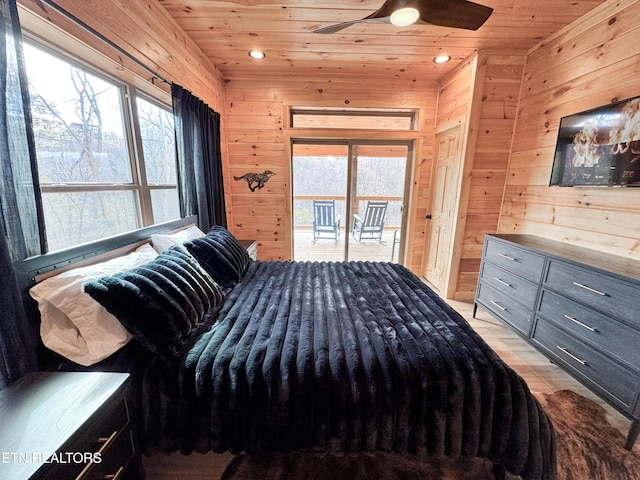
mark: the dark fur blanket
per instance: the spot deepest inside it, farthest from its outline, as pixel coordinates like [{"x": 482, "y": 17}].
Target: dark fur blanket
[{"x": 341, "y": 357}]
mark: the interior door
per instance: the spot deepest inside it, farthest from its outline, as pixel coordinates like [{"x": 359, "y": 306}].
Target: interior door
[{"x": 444, "y": 199}]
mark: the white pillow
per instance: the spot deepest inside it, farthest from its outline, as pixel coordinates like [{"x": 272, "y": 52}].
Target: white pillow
[
  {"x": 162, "y": 242},
  {"x": 72, "y": 323}
]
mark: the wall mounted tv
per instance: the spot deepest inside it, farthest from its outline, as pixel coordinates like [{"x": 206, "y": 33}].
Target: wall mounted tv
[{"x": 599, "y": 147}]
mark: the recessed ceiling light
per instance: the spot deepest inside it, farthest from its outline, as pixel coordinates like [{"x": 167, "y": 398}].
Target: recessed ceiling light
[
  {"x": 257, "y": 54},
  {"x": 404, "y": 16},
  {"x": 442, "y": 59}
]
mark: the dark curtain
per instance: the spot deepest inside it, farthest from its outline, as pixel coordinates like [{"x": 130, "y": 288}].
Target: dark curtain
[
  {"x": 20, "y": 204},
  {"x": 199, "y": 159}
]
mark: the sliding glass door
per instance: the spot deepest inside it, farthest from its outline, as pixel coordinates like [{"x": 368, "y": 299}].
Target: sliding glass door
[
  {"x": 349, "y": 199},
  {"x": 320, "y": 175}
]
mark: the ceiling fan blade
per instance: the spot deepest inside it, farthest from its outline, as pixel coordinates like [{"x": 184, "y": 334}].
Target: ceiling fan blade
[
  {"x": 447, "y": 13},
  {"x": 381, "y": 15},
  {"x": 339, "y": 26},
  {"x": 454, "y": 13}
]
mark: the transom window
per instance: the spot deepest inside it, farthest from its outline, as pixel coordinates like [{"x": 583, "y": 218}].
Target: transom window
[
  {"x": 106, "y": 155},
  {"x": 369, "y": 119}
]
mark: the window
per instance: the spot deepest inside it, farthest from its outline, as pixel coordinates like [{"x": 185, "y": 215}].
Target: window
[
  {"x": 353, "y": 119},
  {"x": 103, "y": 170},
  {"x": 159, "y": 152}
]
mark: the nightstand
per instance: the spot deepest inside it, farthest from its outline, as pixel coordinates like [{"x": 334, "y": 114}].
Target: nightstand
[
  {"x": 252, "y": 248},
  {"x": 67, "y": 425}
]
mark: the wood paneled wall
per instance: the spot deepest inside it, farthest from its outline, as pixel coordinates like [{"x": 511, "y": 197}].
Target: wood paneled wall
[
  {"x": 142, "y": 29},
  {"x": 259, "y": 139},
  {"x": 590, "y": 63},
  {"x": 253, "y": 110},
  {"x": 498, "y": 80},
  {"x": 481, "y": 96},
  {"x": 455, "y": 98}
]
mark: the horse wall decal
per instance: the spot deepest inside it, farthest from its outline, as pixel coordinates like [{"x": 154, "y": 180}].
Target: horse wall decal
[{"x": 256, "y": 180}]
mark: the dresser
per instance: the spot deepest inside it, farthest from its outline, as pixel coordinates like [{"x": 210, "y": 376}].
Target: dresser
[
  {"x": 67, "y": 425},
  {"x": 579, "y": 307}
]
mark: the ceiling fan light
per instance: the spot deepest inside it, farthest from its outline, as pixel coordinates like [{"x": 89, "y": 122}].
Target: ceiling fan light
[
  {"x": 257, "y": 54},
  {"x": 404, "y": 16}
]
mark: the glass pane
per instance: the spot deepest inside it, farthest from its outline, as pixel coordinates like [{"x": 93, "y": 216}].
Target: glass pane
[
  {"x": 380, "y": 184},
  {"x": 165, "y": 204},
  {"x": 158, "y": 143},
  {"x": 352, "y": 120},
  {"x": 73, "y": 218},
  {"x": 77, "y": 122},
  {"x": 319, "y": 173}
]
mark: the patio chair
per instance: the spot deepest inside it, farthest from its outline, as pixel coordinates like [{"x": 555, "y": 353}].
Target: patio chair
[
  {"x": 372, "y": 224},
  {"x": 325, "y": 221}
]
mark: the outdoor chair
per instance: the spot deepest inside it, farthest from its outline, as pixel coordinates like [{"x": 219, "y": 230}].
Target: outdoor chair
[
  {"x": 371, "y": 226},
  {"x": 325, "y": 221}
]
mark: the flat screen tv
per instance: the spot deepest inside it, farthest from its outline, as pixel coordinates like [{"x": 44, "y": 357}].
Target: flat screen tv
[{"x": 599, "y": 147}]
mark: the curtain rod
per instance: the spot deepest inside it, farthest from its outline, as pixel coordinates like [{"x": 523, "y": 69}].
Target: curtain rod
[{"x": 95, "y": 33}]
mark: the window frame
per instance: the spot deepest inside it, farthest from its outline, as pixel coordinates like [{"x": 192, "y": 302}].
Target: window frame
[
  {"x": 409, "y": 115},
  {"x": 128, "y": 93}
]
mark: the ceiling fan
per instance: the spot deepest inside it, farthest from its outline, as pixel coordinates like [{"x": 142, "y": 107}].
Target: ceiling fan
[{"x": 446, "y": 13}]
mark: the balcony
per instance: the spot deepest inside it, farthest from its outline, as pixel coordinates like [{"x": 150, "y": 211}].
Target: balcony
[{"x": 325, "y": 249}]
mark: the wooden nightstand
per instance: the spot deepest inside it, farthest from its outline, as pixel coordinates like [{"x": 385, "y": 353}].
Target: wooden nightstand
[
  {"x": 67, "y": 425},
  {"x": 252, "y": 248}
]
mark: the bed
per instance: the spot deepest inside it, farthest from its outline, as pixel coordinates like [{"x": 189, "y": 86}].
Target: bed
[{"x": 230, "y": 354}]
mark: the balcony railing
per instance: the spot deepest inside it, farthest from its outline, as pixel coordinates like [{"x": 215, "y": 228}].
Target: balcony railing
[{"x": 326, "y": 249}]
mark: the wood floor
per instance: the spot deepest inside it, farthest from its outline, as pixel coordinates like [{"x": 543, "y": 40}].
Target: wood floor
[{"x": 541, "y": 375}]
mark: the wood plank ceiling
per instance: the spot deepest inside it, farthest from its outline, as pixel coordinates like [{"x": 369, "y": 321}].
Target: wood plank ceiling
[{"x": 283, "y": 29}]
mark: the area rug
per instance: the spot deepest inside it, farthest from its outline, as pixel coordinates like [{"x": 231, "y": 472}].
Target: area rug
[{"x": 588, "y": 448}]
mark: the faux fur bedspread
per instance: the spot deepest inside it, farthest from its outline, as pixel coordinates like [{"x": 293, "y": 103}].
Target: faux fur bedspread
[{"x": 342, "y": 357}]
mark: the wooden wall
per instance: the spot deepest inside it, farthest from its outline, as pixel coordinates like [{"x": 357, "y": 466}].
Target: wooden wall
[
  {"x": 590, "y": 63},
  {"x": 455, "y": 98},
  {"x": 481, "y": 96},
  {"x": 254, "y": 130},
  {"x": 142, "y": 29},
  {"x": 497, "y": 83},
  {"x": 259, "y": 139}
]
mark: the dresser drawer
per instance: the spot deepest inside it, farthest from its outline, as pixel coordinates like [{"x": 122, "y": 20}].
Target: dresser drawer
[
  {"x": 100, "y": 441},
  {"x": 114, "y": 458},
  {"x": 506, "y": 308},
  {"x": 615, "y": 298},
  {"x": 509, "y": 284},
  {"x": 618, "y": 382},
  {"x": 525, "y": 263},
  {"x": 607, "y": 334}
]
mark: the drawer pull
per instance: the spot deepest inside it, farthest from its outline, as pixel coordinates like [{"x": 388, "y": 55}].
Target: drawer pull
[
  {"x": 507, "y": 257},
  {"x": 575, "y": 320},
  {"x": 499, "y": 280},
  {"x": 593, "y": 290},
  {"x": 106, "y": 441},
  {"x": 115, "y": 476},
  {"x": 499, "y": 306},
  {"x": 567, "y": 352}
]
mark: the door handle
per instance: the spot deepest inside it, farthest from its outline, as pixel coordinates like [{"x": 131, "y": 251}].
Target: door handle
[{"x": 428, "y": 217}]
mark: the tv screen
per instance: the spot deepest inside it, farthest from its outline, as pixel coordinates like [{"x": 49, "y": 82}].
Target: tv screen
[{"x": 599, "y": 147}]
